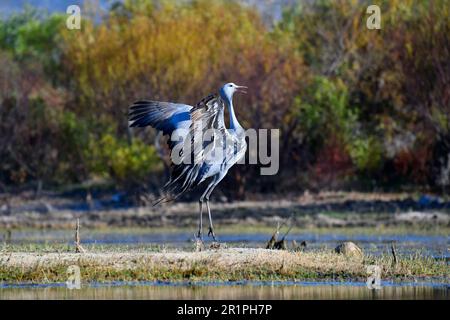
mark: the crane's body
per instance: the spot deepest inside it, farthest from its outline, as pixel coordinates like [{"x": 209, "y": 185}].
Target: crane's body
[{"x": 207, "y": 159}]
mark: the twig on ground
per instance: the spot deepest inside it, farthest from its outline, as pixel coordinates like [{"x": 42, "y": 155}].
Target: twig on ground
[
  {"x": 282, "y": 244},
  {"x": 274, "y": 238},
  {"x": 298, "y": 248},
  {"x": 78, "y": 247},
  {"x": 394, "y": 254}
]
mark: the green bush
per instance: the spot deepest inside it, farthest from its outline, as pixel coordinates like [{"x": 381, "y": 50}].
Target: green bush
[
  {"x": 127, "y": 163},
  {"x": 366, "y": 153},
  {"x": 325, "y": 112},
  {"x": 34, "y": 36}
]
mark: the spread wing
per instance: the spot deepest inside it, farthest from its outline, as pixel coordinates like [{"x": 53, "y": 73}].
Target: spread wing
[
  {"x": 164, "y": 116},
  {"x": 190, "y": 171},
  {"x": 167, "y": 117}
]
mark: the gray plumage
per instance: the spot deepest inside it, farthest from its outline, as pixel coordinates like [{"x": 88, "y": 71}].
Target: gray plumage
[{"x": 211, "y": 158}]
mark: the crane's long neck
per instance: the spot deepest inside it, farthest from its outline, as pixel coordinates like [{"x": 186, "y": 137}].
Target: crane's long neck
[{"x": 234, "y": 123}]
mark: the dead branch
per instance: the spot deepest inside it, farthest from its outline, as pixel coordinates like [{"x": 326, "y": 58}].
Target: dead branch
[
  {"x": 394, "y": 254},
  {"x": 78, "y": 247},
  {"x": 274, "y": 238}
]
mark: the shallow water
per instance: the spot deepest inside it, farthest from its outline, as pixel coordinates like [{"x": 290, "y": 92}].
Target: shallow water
[
  {"x": 429, "y": 245},
  {"x": 244, "y": 290}
]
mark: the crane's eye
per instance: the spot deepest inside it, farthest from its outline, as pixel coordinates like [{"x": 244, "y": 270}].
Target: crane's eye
[{"x": 230, "y": 85}]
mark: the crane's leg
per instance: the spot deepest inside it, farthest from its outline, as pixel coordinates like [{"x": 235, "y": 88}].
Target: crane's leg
[
  {"x": 206, "y": 196},
  {"x": 211, "y": 228},
  {"x": 202, "y": 199},
  {"x": 200, "y": 221}
]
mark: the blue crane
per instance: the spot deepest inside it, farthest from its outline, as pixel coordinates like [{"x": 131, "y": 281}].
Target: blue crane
[{"x": 205, "y": 159}]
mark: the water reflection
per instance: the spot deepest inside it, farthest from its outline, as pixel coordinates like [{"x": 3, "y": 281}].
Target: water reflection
[{"x": 276, "y": 292}]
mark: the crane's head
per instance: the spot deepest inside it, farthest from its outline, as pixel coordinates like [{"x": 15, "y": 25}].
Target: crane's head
[{"x": 228, "y": 89}]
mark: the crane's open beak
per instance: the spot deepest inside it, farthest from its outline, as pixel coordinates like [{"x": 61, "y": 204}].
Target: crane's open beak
[{"x": 241, "y": 89}]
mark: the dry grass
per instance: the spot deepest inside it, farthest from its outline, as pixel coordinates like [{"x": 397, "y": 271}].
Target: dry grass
[{"x": 218, "y": 265}]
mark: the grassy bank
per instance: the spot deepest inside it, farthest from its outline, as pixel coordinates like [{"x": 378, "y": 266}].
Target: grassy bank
[{"x": 219, "y": 265}]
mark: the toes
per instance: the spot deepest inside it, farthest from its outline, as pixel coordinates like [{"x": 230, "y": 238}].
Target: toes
[{"x": 198, "y": 237}]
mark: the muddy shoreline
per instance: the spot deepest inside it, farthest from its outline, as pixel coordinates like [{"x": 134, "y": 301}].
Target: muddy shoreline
[{"x": 318, "y": 210}]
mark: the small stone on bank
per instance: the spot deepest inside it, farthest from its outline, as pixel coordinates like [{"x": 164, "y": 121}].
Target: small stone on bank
[{"x": 349, "y": 249}]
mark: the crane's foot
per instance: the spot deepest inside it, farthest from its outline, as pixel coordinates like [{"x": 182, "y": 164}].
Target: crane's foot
[
  {"x": 211, "y": 233},
  {"x": 215, "y": 244}
]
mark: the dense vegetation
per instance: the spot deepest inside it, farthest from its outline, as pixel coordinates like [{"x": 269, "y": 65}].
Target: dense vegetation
[{"x": 357, "y": 108}]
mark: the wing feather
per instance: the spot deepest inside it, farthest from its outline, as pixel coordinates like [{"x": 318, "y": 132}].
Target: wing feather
[
  {"x": 168, "y": 117},
  {"x": 164, "y": 116},
  {"x": 207, "y": 114}
]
